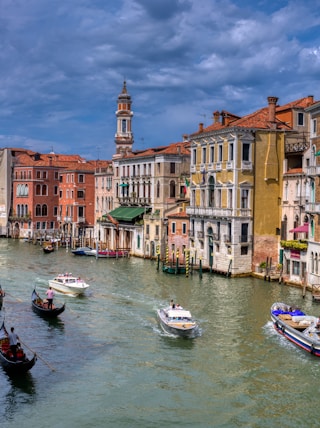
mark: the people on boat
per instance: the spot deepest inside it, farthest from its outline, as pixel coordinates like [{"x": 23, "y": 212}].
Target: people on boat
[
  {"x": 50, "y": 294},
  {"x": 172, "y": 305},
  {"x": 13, "y": 342},
  {"x": 178, "y": 306}
]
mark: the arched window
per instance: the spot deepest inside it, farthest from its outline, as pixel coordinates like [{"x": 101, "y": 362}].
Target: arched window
[
  {"x": 44, "y": 210},
  {"x": 38, "y": 189},
  {"x": 26, "y": 209},
  {"x": 158, "y": 189},
  {"x": 26, "y": 190},
  {"x": 172, "y": 189},
  {"x": 18, "y": 190},
  {"x": 18, "y": 210},
  {"x": 38, "y": 210},
  {"x": 211, "y": 192},
  {"x": 44, "y": 190}
]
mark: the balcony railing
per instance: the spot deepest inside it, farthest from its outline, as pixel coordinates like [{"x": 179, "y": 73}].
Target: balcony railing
[
  {"x": 312, "y": 207},
  {"x": 313, "y": 170},
  {"x": 218, "y": 212}
]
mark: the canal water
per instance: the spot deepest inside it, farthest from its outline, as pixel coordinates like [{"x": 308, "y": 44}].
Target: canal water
[{"x": 106, "y": 362}]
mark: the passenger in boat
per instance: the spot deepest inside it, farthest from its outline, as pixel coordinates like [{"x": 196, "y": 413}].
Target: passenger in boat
[
  {"x": 172, "y": 305},
  {"x": 178, "y": 306},
  {"x": 50, "y": 294},
  {"x": 13, "y": 341}
]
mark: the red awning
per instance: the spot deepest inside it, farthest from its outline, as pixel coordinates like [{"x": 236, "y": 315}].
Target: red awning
[{"x": 301, "y": 229}]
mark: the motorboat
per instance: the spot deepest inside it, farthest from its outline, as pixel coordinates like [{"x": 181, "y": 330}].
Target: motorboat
[
  {"x": 178, "y": 322},
  {"x": 69, "y": 284},
  {"x": 81, "y": 251},
  {"x": 114, "y": 254},
  {"x": 301, "y": 329}
]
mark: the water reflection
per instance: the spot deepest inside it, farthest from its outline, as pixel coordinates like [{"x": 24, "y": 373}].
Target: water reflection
[{"x": 21, "y": 390}]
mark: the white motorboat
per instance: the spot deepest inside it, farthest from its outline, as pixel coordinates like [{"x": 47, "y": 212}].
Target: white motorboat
[
  {"x": 178, "y": 322},
  {"x": 68, "y": 284}
]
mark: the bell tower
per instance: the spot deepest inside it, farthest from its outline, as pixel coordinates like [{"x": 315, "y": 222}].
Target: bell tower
[{"x": 124, "y": 136}]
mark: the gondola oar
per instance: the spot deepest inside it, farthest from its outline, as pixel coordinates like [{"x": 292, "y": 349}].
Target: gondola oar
[
  {"x": 17, "y": 298},
  {"x": 39, "y": 356}
]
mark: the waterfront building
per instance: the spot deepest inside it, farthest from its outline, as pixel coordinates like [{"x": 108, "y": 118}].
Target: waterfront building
[
  {"x": 6, "y": 164},
  {"x": 148, "y": 185},
  {"x": 237, "y": 167},
  {"x": 178, "y": 237},
  {"x": 76, "y": 214},
  {"x": 35, "y": 199},
  {"x": 313, "y": 204}
]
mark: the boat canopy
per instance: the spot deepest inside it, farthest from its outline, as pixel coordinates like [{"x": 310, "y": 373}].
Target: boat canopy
[{"x": 174, "y": 313}]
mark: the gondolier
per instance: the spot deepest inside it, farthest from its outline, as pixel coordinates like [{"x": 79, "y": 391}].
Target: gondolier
[
  {"x": 50, "y": 294},
  {"x": 13, "y": 342}
]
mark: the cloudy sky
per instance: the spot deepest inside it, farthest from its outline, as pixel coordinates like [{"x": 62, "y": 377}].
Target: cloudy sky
[{"x": 63, "y": 62}]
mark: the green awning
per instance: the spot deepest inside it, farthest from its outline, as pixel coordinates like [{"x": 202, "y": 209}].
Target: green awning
[{"x": 127, "y": 213}]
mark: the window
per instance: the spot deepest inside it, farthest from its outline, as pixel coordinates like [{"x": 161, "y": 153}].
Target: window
[
  {"x": 44, "y": 175},
  {"x": 220, "y": 153},
  {"x": 80, "y": 194},
  {"x": 173, "y": 227},
  {"x": 172, "y": 168},
  {"x": 44, "y": 211},
  {"x": 55, "y": 211},
  {"x": 81, "y": 178},
  {"x": 38, "y": 210},
  {"x": 38, "y": 174},
  {"x": 80, "y": 211},
  {"x": 246, "y": 152},
  {"x": 157, "y": 230},
  {"x": 244, "y": 198},
  {"x": 184, "y": 228},
  {"x": 44, "y": 190},
  {"x": 229, "y": 198},
  {"x": 295, "y": 267},
  {"x": 300, "y": 119},
  {"x": 211, "y": 154},
  {"x": 55, "y": 190},
  {"x": 56, "y": 175},
  {"x": 231, "y": 152},
  {"x": 314, "y": 127},
  {"x": 172, "y": 189},
  {"x": 244, "y": 250},
  {"x": 204, "y": 155},
  {"x": 194, "y": 156},
  {"x": 124, "y": 125},
  {"x": 38, "y": 189},
  {"x": 158, "y": 189}
]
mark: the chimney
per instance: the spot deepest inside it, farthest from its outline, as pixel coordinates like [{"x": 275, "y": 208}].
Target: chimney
[
  {"x": 272, "y": 101},
  {"x": 216, "y": 116},
  {"x": 200, "y": 127},
  {"x": 310, "y": 100},
  {"x": 185, "y": 138}
]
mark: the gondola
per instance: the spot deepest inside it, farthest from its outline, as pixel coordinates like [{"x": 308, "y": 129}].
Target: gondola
[
  {"x": 2, "y": 294},
  {"x": 22, "y": 363},
  {"x": 48, "y": 249},
  {"x": 40, "y": 307}
]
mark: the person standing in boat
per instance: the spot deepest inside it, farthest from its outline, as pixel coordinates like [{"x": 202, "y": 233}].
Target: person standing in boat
[
  {"x": 13, "y": 342},
  {"x": 50, "y": 294}
]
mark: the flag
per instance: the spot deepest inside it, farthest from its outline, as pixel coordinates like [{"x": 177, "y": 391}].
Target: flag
[{"x": 186, "y": 184}]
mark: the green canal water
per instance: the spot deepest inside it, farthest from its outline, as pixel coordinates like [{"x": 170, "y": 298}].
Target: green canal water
[{"x": 106, "y": 362}]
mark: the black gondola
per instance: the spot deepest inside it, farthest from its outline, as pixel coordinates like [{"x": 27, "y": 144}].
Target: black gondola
[
  {"x": 22, "y": 364},
  {"x": 2, "y": 294},
  {"x": 40, "y": 307},
  {"x": 48, "y": 249}
]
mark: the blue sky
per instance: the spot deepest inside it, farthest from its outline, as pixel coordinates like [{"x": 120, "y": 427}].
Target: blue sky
[{"x": 63, "y": 62}]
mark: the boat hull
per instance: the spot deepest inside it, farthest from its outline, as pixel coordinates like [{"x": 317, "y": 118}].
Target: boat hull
[
  {"x": 81, "y": 251},
  {"x": 306, "y": 337},
  {"x": 185, "y": 330},
  {"x": 68, "y": 285},
  {"x": 47, "y": 313},
  {"x": 110, "y": 254},
  {"x": 17, "y": 367}
]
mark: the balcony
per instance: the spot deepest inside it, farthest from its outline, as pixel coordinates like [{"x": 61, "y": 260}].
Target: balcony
[
  {"x": 191, "y": 233},
  {"x": 229, "y": 165},
  {"x": 67, "y": 219},
  {"x": 227, "y": 239},
  {"x": 313, "y": 171},
  {"x": 246, "y": 165},
  {"x": 312, "y": 207},
  {"x": 81, "y": 219}
]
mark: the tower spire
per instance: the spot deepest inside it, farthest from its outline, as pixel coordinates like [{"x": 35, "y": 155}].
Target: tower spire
[{"x": 124, "y": 135}]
